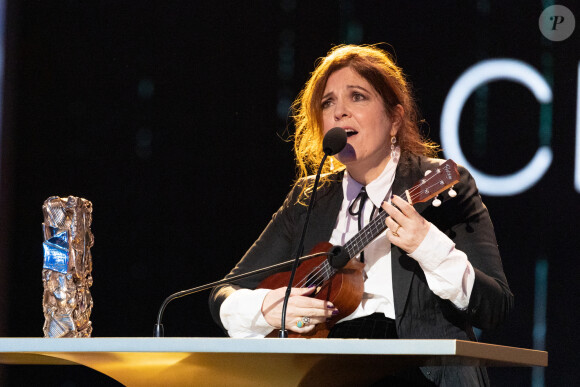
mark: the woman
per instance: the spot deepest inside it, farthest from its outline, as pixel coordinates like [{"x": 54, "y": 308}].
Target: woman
[{"x": 435, "y": 272}]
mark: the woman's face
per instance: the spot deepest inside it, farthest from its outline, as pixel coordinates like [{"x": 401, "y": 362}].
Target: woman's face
[{"x": 351, "y": 102}]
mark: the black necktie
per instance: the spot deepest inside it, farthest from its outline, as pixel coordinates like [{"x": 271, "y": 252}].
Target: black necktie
[{"x": 361, "y": 199}]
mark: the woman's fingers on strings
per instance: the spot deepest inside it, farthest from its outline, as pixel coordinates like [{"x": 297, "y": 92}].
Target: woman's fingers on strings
[
  {"x": 305, "y": 312},
  {"x": 393, "y": 212},
  {"x": 304, "y": 305},
  {"x": 405, "y": 208}
]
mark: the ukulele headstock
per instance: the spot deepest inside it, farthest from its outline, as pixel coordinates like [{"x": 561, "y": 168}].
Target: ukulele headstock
[{"x": 435, "y": 182}]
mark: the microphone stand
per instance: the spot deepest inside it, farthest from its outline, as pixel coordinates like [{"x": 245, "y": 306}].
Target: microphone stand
[
  {"x": 283, "y": 332},
  {"x": 158, "y": 330},
  {"x": 333, "y": 142}
]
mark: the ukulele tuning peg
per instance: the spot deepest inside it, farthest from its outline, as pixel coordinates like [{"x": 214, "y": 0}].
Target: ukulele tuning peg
[
  {"x": 427, "y": 172},
  {"x": 436, "y": 202},
  {"x": 452, "y": 192}
]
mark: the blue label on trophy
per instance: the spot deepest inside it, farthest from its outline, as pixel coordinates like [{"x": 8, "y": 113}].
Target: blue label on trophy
[
  {"x": 60, "y": 239},
  {"x": 56, "y": 253}
]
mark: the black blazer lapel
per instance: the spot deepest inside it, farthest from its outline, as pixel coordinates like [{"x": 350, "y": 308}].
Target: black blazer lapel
[{"x": 325, "y": 212}]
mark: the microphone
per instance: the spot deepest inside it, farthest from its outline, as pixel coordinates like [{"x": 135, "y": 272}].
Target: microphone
[{"x": 333, "y": 142}]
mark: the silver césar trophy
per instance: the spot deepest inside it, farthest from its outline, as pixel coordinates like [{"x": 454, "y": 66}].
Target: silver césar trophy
[{"x": 66, "y": 273}]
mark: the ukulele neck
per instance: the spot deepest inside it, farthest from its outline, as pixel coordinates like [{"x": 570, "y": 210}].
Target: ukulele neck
[{"x": 365, "y": 236}]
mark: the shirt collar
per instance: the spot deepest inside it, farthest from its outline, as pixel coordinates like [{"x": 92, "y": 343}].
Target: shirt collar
[{"x": 378, "y": 189}]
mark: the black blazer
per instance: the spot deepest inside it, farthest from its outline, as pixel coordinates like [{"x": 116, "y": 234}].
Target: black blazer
[{"x": 420, "y": 314}]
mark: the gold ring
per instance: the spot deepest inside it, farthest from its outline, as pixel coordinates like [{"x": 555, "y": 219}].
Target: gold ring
[{"x": 395, "y": 232}]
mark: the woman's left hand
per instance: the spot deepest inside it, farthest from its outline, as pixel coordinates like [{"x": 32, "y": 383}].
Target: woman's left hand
[{"x": 407, "y": 228}]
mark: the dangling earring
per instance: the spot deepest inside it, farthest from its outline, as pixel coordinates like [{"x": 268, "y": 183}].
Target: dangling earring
[
  {"x": 332, "y": 164},
  {"x": 394, "y": 149}
]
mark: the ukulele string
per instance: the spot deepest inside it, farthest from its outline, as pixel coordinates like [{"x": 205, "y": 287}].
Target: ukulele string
[
  {"x": 320, "y": 274},
  {"x": 416, "y": 191},
  {"x": 311, "y": 276},
  {"x": 364, "y": 236},
  {"x": 326, "y": 274},
  {"x": 324, "y": 271}
]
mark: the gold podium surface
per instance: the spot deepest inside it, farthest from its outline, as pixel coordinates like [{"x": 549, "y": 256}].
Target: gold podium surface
[{"x": 257, "y": 362}]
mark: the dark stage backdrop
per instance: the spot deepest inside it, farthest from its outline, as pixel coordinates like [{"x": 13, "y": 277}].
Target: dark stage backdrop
[{"x": 171, "y": 117}]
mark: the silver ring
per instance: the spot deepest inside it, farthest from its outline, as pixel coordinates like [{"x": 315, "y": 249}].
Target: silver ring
[{"x": 303, "y": 322}]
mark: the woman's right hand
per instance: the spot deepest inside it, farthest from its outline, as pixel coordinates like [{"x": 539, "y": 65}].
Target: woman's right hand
[{"x": 299, "y": 305}]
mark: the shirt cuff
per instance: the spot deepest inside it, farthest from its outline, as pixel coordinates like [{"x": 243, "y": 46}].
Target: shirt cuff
[
  {"x": 241, "y": 314},
  {"x": 449, "y": 273}
]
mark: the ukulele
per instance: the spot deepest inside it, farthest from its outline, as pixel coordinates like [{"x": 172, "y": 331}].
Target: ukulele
[{"x": 344, "y": 287}]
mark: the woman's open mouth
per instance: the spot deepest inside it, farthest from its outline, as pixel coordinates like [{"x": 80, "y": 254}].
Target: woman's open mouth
[{"x": 350, "y": 132}]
